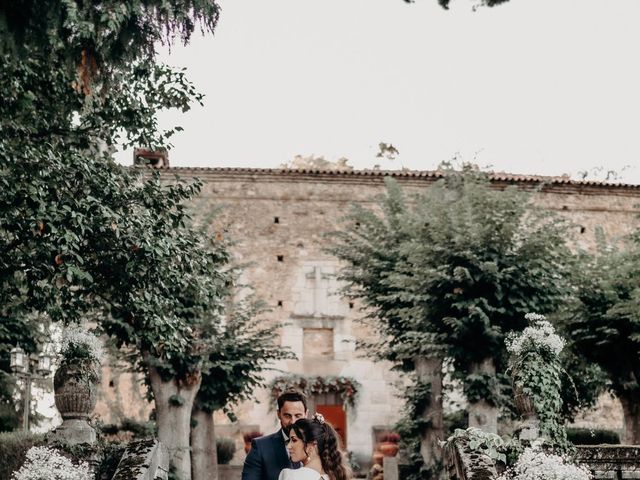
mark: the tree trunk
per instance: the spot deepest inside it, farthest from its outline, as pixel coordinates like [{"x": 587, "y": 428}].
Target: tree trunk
[
  {"x": 204, "y": 457},
  {"x": 429, "y": 370},
  {"x": 483, "y": 415},
  {"x": 174, "y": 401},
  {"x": 630, "y": 400}
]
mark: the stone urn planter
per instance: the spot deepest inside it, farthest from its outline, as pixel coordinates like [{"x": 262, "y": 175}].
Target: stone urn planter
[
  {"x": 524, "y": 404},
  {"x": 75, "y": 386}
]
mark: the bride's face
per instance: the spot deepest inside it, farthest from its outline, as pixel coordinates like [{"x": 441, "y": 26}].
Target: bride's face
[{"x": 296, "y": 447}]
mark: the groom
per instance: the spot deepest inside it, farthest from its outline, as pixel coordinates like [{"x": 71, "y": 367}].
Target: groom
[{"x": 268, "y": 454}]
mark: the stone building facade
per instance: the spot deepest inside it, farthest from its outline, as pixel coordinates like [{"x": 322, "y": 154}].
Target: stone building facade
[{"x": 281, "y": 221}]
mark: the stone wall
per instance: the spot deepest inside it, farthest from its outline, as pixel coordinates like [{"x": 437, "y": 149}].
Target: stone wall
[
  {"x": 603, "y": 461},
  {"x": 282, "y": 222},
  {"x": 611, "y": 461}
]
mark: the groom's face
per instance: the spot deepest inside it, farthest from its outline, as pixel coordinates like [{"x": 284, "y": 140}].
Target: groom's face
[{"x": 289, "y": 413}]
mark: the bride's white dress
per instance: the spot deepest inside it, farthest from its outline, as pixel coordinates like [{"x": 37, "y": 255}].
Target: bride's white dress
[{"x": 302, "y": 473}]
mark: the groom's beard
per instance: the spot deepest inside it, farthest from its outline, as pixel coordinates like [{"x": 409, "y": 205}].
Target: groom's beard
[{"x": 287, "y": 429}]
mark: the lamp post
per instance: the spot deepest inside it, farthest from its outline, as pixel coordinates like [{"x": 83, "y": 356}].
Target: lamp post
[{"x": 27, "y": 367}]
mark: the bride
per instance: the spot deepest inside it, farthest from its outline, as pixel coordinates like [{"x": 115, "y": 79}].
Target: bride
[{"x": 316, "y": 444}]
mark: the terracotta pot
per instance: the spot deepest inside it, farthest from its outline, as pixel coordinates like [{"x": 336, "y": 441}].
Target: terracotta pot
[
  {"x": 75, "y": 388},
  {"x": 377, "y": 457},
  {"x": 389, "y": 449}
]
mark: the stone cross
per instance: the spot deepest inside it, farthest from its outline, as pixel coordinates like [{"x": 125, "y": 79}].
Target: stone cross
[{"x": 320, "y": 294}]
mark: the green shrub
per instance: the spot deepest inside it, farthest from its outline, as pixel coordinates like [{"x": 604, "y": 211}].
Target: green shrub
[
  {"x": 9, "y": 419},
  {"x": 137, "y": 428},
  {"x": 586, "y": 436},
  {"x": 226, "y": 449},
  {"x": 458, "y": 419},
  {"x": 13, "y": 448},
  {"x": 106, "y": 454},
  {"x": 111, "y": 453}
]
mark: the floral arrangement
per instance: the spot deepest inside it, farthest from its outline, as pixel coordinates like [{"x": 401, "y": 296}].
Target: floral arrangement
[
  {"x": 536, "y": 374},
  {"x": 347, "y": 388},
  {"x": 539, "y": 337},
  {"x": 79, "y": 344},
  {"x": 43, "y": 463},
  {"x": 536, "y": 464}
]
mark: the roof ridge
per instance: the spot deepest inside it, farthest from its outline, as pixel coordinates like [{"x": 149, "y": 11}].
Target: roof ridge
[{"x": 499, "y": 176}]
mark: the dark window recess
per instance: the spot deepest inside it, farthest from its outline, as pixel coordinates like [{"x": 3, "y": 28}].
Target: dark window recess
[
  {"x": 564, "y": 207},
  {"x": 111, "y": 384},
  {"x": 357, "y": 224},
  {"x": 350, "y": 304},
  {"x": 276, "y": 219},
  {"x": 583, "y": 229},
  {"x": 280, "y": 258},
  {"x": 279, "y": 303},
  {"x": 151, "y": 158}
]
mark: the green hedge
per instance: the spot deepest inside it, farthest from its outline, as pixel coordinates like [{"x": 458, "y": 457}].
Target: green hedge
[
  {"x": 586, "y": 436},
  {"x": 137, "y": 428},
  {"x": 13, "y": 449}
]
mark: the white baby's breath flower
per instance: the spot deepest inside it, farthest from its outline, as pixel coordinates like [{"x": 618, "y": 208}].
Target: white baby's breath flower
[
  {"x": 46, "y": 463},
  {"x": 534, "y": 317},
  {"x": 535, "y": 464},
  {"x": 539, "y": 336},
  {"x": 75, "y": 339}
]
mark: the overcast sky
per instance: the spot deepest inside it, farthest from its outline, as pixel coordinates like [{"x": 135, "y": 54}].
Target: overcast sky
[{"x": 532, "y": 86}]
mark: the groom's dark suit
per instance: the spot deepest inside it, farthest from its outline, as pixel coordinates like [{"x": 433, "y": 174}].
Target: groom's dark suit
[{"x": 267, "y": 458}]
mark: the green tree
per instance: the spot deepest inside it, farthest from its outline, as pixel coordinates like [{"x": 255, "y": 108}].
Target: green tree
[
  {"x": 457, "y": 268},
  {"x": 80, "y": 233},
  {"x": 445, "y": 3},
  {"x": 244, "y": 347},
  {"x": 603, "y": 325}
]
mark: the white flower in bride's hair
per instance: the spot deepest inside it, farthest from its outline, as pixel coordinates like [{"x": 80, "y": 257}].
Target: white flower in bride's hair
[{"x": 318, "y": 417}]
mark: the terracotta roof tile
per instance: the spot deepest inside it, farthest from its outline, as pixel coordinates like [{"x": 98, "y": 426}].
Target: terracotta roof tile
[{"x": 498, "y": 176}]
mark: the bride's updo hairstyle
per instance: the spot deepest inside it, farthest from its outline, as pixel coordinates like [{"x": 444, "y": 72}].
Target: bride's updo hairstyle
[{"x": 328, "y": 442}]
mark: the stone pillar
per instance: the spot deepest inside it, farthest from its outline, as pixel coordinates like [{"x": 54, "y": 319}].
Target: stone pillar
[{"x": 390, "y": 467}]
